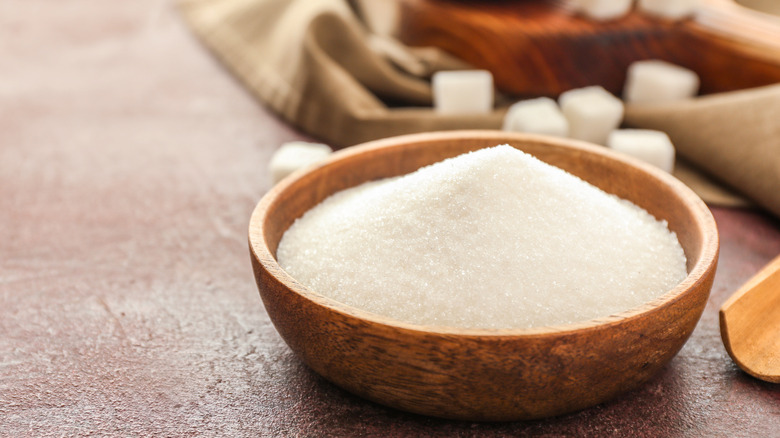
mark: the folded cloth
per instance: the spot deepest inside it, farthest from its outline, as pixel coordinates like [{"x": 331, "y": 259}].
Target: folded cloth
[
  {"x": 733, "y": 136},
  {"x": 316, "y": 64}
]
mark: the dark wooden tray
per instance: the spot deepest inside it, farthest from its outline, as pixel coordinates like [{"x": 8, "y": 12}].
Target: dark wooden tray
[{"x": 542, "y": 47}]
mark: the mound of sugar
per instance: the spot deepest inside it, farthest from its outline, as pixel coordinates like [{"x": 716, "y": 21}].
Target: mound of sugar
[{"x": 490, "y": 239}]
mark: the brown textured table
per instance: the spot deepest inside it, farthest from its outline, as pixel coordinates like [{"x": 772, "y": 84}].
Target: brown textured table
[{"x": 129, "y": 165}]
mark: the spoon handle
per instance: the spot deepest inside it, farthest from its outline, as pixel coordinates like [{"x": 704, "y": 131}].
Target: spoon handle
[{"x": 750, "y": 324}]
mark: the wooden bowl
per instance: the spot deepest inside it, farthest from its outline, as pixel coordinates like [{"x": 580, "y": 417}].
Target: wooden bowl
[{"x": 483, "y": 374}]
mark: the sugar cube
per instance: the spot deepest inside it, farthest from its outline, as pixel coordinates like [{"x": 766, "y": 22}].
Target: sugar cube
[
  {"x": 463, "y": 92},
  {"x": 592, "y": 112},
  {"x": 659, "y": 81},
  {"x": 603, "y": 9},
  {"x": 538, "y": 116},
  {"x": 295, "y": 155},
  {"x": 672, "y": 9},
  {"x": 653, "y": 147}
]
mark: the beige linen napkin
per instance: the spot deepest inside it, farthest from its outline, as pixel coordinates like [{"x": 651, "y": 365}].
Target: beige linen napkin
[
  {"x": 312, "y": 62},
  {"x": 315, "y": 64},
  {"x": 734, "y": 135}
]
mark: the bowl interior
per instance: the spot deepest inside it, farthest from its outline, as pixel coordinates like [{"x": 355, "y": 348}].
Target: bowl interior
[{"x": 657, "y": 192}]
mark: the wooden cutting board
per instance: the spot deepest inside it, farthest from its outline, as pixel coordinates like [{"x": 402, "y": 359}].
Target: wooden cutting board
[{"x": 542, "y": 47}]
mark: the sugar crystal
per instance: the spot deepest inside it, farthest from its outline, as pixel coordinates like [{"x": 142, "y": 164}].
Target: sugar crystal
[{"x": 489, "y": 239}]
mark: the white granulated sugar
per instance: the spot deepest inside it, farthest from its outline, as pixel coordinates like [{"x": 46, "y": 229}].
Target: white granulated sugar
[{"x": 490, "y": 239}]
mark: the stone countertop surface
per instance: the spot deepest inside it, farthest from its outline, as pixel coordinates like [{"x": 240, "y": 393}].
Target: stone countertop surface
[{"x": 130, "y": 162}]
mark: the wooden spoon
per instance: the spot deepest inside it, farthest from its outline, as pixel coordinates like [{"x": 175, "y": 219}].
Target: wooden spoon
[{"x": 750, "y": 324}]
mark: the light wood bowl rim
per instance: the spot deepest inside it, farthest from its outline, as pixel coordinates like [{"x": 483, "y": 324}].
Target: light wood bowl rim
[{"x": 704, "y": 220}]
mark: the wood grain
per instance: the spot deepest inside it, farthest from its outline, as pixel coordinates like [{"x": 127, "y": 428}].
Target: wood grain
[
  {"x": 750, "y": 324},
  {"x": 544, "y": 48},
  {"x": 483, "y": 374}
]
